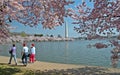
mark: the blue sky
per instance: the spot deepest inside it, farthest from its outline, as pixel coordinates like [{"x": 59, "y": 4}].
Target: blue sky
[{"x": 60, "y": 30}]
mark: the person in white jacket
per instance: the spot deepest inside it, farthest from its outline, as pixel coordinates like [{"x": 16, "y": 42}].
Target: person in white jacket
[{"x": 24, "y": 54}]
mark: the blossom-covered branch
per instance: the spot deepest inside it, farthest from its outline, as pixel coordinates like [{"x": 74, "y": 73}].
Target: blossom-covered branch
[
  {"x": 103, "y": 18},
  {"x": 49, "y": 13}
]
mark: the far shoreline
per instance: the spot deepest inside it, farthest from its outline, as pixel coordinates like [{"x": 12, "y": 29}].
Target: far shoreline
[{"x": 20, "y": 39}]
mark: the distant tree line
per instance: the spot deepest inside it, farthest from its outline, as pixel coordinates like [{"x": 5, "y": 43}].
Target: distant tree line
[
  {"x": 40, "y": 35},
  {"x": 24, "y": 34}
]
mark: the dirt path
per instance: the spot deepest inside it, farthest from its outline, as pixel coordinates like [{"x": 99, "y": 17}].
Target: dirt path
[{"x": 51, "y": 66}]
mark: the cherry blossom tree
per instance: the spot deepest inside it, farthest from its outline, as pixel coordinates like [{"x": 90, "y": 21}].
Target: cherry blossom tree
[
  {"x": 102, "y": 19},
  {"x": 49, "y": 13}
]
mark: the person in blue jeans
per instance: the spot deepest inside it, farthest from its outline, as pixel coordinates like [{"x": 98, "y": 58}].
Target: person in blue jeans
[
  {"x": 13, "y": 54},
  {"x": 24, "y": 54}
]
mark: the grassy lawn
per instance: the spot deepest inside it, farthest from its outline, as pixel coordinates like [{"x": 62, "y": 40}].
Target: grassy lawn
[
  {"x": 15, "y": 70},
  {"x": 8, "y": 70}
]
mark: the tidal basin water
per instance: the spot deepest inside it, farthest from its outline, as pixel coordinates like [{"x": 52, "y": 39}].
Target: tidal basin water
[{"x": 68, "y": 52}]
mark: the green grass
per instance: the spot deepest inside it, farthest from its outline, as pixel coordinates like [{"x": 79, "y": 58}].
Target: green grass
[{"x": 7, "y": 70}]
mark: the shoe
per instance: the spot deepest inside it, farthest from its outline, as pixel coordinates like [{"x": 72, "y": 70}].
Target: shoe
[
  {"x": 9, "y": 63},
  {"x": 25, "y": 64}
]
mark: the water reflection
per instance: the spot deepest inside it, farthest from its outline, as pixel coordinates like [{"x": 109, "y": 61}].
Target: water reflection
[{"x": 66, "y": 52}]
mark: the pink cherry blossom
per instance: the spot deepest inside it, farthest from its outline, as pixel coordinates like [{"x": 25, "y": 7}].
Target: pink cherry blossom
[
  {"x": 104, "y": 16},
  {"x": 49, "y": 13}
]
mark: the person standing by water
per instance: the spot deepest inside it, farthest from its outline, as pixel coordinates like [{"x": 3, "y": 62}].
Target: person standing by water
[
  {"x": 32, "y": 53},
  {"x": 24, "y": 54},
  {"x": 12, "y": 52}
]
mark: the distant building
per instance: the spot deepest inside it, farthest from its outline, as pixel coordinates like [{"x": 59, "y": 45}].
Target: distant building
[{"x": 66, "y": 30}]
